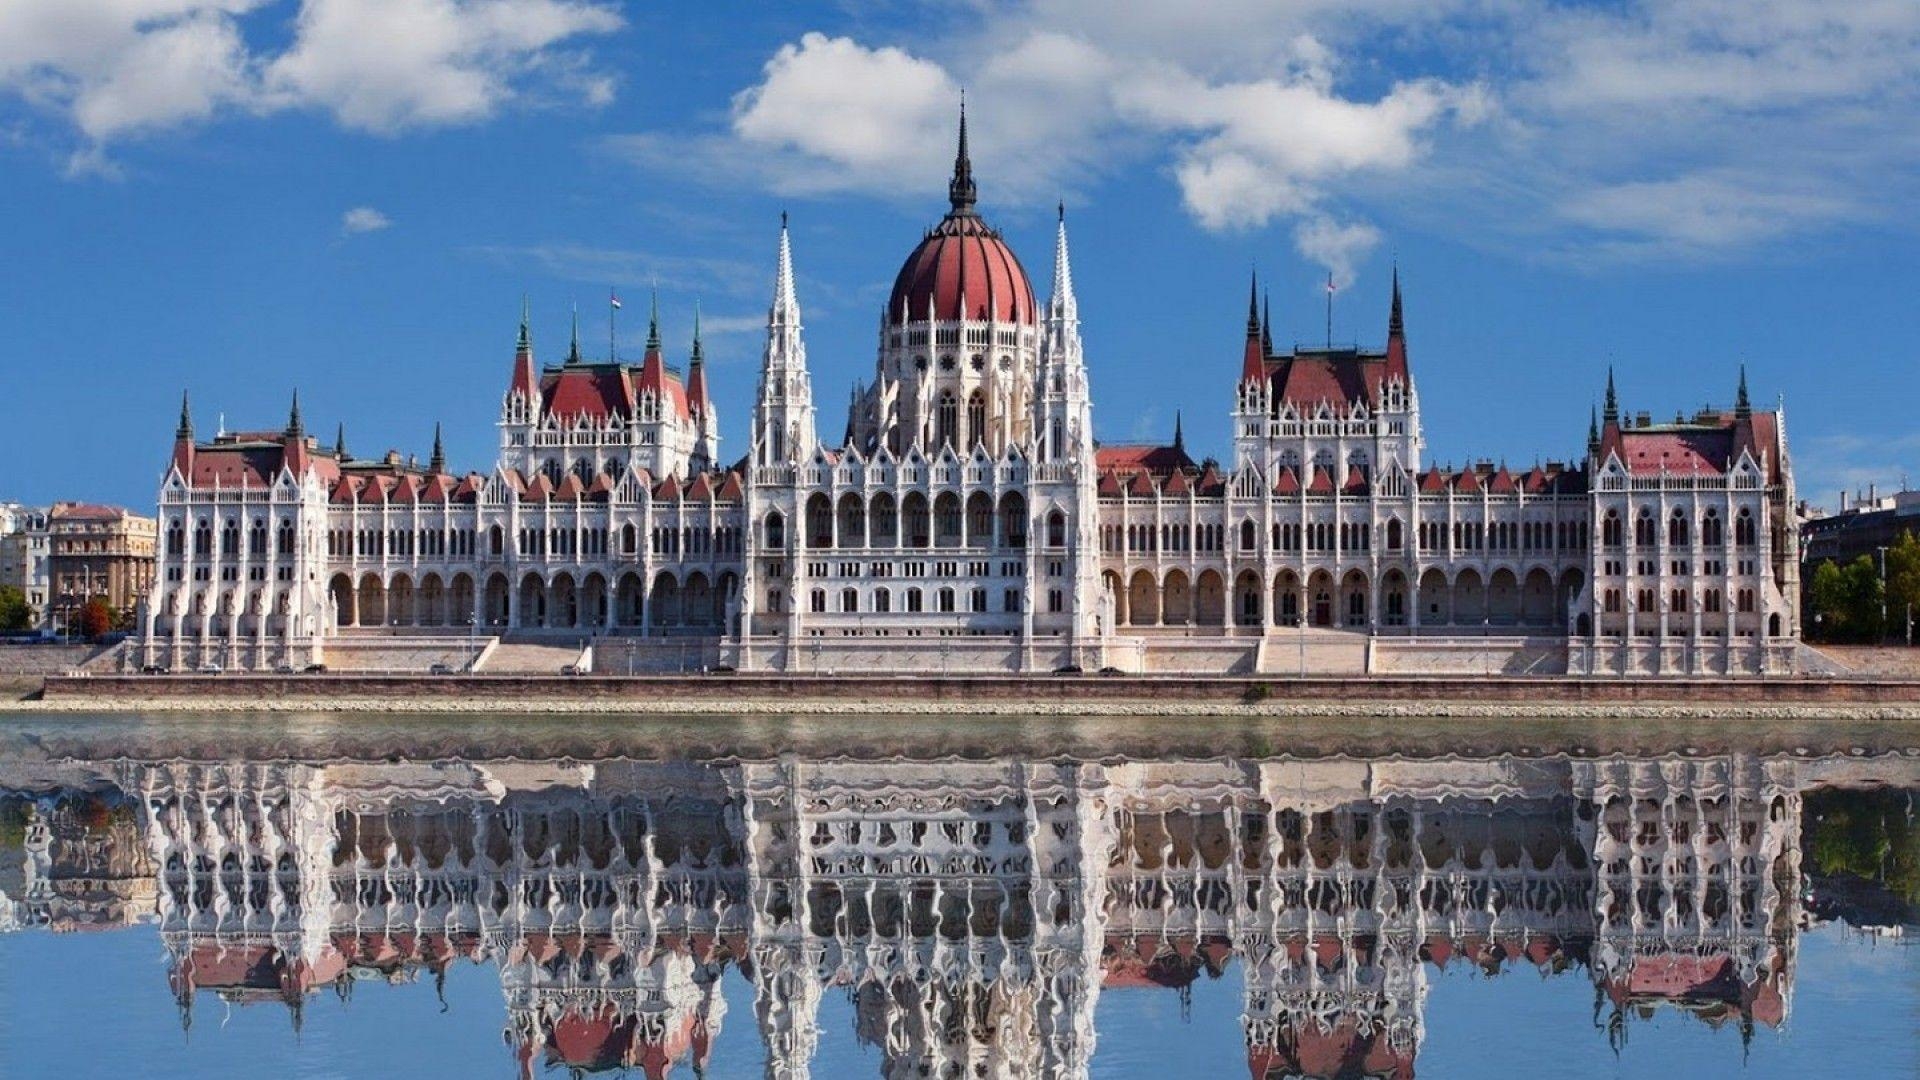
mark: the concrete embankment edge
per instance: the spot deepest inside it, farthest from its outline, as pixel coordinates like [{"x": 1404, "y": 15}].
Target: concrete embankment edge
[{"x": 1024, "y": 696}]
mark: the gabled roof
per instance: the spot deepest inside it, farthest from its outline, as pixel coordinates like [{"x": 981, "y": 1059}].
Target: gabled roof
[{"x": 1129, "y": 458}]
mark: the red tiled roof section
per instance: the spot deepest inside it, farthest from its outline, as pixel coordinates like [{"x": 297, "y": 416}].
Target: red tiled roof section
[
  {"x": 1709, "y": 443},
  {"x": 962, "y": 255},
  {"x": 1338, "y": 378},
  {"x": 1127, "y": 460}
]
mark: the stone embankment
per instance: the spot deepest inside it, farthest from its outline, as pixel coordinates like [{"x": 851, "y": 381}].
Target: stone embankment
[{"x": 736, "y": 694}]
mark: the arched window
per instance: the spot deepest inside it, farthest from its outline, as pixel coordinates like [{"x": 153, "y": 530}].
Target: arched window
[
  {"x": 882, "y": 601},
  {"x": 1610, "y": 529},
  {"x": 584, "y": 470},
  {"x": 1393, "y": 534},
  {"x": 1711, "y": 534},
  {"x": 850, "y": 600},
  {"x": 1677, "y": 530},
  {"x": 1247, "y": 533},
  {"x": 1743, "y": 532},
  {"x": 776, "y": 529},
  {"x": 1643, "y": 529},
  {"x": 1056, "y": 529},
  {"x": 176, "y": 539},
  {"x": 945, "y": 420},
  {"x": 976, "y": 419}
]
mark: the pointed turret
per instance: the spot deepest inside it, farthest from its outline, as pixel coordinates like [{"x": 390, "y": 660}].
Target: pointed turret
[
  {"x": 525, "y": 383},
  {"x": 294, "y": 428},
  {"x": 1179, "y": 437},
  {"x": 294, "y": 454},
  {"x": 1397, "y": 336},
  {"x": 786, "y": 303},
  {"x": 1266, "y": 323},
  {"x": 1742, "y": 406},
  {"x": 960, "y": 190},
  {"x": 183, "y": 439},
  {"x": 1062, "y": 304},
  {"x": 573, "y": 345},
  {"x": 1611, "y": 413},
  {"x": 783, "y": 415},
  {"x": 1396, "y": 324},
  {"x": 1253, "y": 367},
  {"x": 437, "y": 464},
  {"x": 1593, "y": 430},
  {"x": 653, "y": 323},
  {"x": 340, "y": 443}
]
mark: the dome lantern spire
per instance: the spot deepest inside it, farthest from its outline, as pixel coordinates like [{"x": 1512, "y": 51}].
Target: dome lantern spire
[{"x": 960, "y": 190}]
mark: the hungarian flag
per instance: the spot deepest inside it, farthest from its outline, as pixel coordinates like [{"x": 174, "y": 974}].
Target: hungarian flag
[
  {"x": 1330, "y": 287},
  {"x": 614, "y": 299}
]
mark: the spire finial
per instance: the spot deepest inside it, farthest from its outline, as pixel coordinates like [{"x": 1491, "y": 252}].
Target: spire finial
[
  {"x": 698, "y": 355},
  {"x": 786, "y": 307},
  {"x": 653, "y": 320},
  {"x": 438, "y": 462},
  {"x": 573, "y": 348},
  {"x": 1063, "y": 299},
  {"x": 1179, "y": 439},
  {"x": 185, "y": 430},
  {"x": 525, "y": 342},
  {"x": 1395, "y": 325},
  {"x": 1266, "y": 323},
  {"x": 1612, "y": 411},
  {"x": 1593, "y": 429},
  {"x": 961, "y": 191},
  {"x": 294, "y": 428},
  {"x": 340, "y": 443},
  {"x": 1742, "y": 407},
  {"x": 1253, "y": 306}
]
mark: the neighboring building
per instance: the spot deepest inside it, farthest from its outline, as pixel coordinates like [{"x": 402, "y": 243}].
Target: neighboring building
[
  {"x": 96, "y": 552},
  {"x": 23, "y": 554},
  {"x": 969, "y": 521},
  {"x": 1862, "y": 526}
]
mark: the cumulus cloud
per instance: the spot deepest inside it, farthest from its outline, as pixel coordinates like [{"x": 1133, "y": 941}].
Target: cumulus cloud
[
  {"x": 113, "y": 69},
  {"x": 363, "y": 219},
  {"x": 1335, "y": 245}
]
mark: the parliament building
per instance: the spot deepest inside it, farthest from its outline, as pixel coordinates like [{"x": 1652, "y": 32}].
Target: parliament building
[{"x": 968, "y": 520}]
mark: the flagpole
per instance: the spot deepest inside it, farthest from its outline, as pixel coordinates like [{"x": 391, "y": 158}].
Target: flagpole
[
  {"x": 1329, "y": 310},
  {"x": 613, "y": 307}
]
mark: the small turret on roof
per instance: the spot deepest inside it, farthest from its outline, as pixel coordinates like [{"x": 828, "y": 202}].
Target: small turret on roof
[{"x": 1253, "y": 363}]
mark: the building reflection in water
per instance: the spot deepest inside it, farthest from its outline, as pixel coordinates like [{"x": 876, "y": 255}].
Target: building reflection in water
[{"x": 973, "y": 912}]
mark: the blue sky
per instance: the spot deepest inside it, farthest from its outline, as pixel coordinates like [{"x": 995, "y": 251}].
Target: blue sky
[{"x": 238, "y": 197}]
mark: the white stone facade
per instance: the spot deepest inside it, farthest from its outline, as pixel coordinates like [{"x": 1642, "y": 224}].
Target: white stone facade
[{"x": 971, "y": 523}]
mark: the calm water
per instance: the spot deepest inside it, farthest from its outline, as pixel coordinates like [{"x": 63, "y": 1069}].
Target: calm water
[{"x": 337, "y": 897}]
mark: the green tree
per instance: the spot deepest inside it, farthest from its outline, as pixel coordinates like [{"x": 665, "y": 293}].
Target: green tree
[
  {"x": 1847, "y": 599},
  {"x": 1903, "y": 583},
  {"x": 14, "y": 612}
]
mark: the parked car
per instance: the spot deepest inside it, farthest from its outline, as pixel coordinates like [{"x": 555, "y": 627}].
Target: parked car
[
  {"x": 440, "y": 669},
  {"x": 316, "y": 669},
  {"x": 153, "y": 669},
  {"x": 283, "y": 669},
  {"x": 1068, "y": 669},
  {"x": 573, "y": 669},
  {"x": 209, "y": 668}
]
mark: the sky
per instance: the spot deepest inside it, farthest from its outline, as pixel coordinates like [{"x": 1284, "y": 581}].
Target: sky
[{"x": 241, "y": 198}]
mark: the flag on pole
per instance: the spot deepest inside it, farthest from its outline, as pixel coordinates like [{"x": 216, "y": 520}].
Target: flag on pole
[
  {"x": 1330, "y": 281},
  {"x": 614, "y": 299}
]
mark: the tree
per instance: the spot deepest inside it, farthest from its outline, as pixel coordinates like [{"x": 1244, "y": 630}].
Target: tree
[
  {"x": 1903, "y": 583},
  {"x": 14, "y": 612},
  {"x": 95, "y": 619},
  {"x": 1847, "y": 599}
]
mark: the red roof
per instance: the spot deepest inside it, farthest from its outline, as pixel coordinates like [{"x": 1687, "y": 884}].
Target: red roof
[
  {"x": 962, "y": 257},
  {"x": 1710, "y": 443},
  {"x": 1129, "y": 459}
]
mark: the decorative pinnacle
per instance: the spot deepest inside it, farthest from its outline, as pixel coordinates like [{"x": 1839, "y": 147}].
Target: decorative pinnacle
[
  {"x": 653, "y": 322},
  {"x": 1593, "y": 428},
  {"x": 525, "y": 342},
  {"x": 1266, "y": 323},
  {"x": 786, "y": 308},
  {"x": 1253, "y": 305},
  {"x": 573, "y": 347},
  {"x": 438, "y": 462},
  {"x": 1179, "y": 439},
  {"x": 1742, "y": 407},
  {"x": 294, "y": 428},
  {"x": 1612, "y": 411},
  {"x": 698, "y": 355},
  {"x": 185, "y": 430},
  {"x": 1063, "y": 299},
  {"x": 961, "y": 191},
  {"x": 340, "y": 443},
  {"x": 1395, "y": 325}
]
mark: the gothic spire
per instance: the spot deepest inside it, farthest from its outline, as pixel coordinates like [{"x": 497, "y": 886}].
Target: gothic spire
[
  {"x": 294, "y": 428},
  {"x": 1179, "y": 439},
  {"x": 1742, "y": 407},
  {"x": 1253, "y": 307},
  {"x": 653, "y": 322},
  {"x": 1612, "y": 411},
  {"x": 438, "y": 462},
  {"x": 1266, "y": 323},
  {"x": 525, "y": 342},
  {"x": 1396, "y": 327},
  {"x": 185, "y": 430},
  {"x": 1593, "y": 429},
  {"x": 698, "y": 356},
  {"x": 1063, "y": 298},
  {"x": 573, "y": 348},
  {"x": 340, "y": 443},
  {"x": 960, "y": 191},
  {"x": 786, "y": 305}
]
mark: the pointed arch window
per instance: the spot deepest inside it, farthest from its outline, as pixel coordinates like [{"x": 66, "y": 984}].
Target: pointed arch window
[
  {"x": 946, "y": 420},
  {"x": 976, "y": 419}
]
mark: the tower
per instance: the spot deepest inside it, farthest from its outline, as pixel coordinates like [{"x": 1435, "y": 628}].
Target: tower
[{"x": 783, "y": 419}]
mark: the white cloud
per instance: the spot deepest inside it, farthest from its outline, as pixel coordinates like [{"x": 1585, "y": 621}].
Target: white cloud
[
  {"x": 364, "y": 219},
  {"x": 1335, "y": 245},
  {"x": 388, "y": 65},
  {"x": 113, "y": 69}
]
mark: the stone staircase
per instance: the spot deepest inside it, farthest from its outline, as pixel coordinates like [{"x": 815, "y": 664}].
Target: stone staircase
[{"x": 530, "y": 657}]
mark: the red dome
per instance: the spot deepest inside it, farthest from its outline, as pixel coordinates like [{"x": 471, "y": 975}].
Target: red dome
[{"x": 962, "y": 256}]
